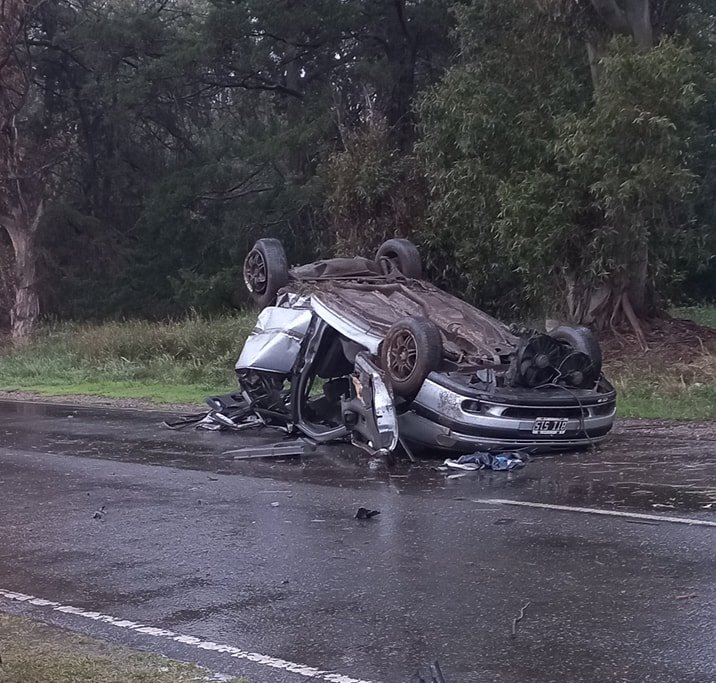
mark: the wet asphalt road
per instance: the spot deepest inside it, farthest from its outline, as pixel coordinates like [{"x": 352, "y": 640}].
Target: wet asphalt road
[{"x": 266, "y": 555}]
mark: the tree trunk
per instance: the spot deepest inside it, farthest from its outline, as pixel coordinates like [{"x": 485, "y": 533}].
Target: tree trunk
[
  {"x": 23, "y": 171},
  {"x": 624, "y": 299},
  {"x": 296, "y": 155},
  {"x": 8, "y": 284},
  {"x": 628, "y": 297},
  {"x": 596, "y": 49},
  {"x": 396, "y": 94},
  {"x": 26, "y": 309},
  {"x": 638, "y": 15},
  {"x": 630, "y": 17}
]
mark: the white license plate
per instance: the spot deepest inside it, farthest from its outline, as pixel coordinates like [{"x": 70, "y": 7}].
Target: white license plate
[{"x": 553, "y": 426}]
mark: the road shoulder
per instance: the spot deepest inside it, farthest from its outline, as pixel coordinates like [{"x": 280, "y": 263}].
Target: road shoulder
[{"x": 37, "y": 652}]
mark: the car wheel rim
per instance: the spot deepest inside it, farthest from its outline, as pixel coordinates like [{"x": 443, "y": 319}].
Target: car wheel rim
[
  {"x": 255, "y": 272},
  {"x": 402, "y": 355}
]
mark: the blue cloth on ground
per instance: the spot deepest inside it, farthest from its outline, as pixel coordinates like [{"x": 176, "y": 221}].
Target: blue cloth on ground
[{"x": 486, "y": 461}]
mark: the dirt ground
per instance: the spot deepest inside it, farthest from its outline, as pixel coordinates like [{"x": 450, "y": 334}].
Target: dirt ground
[
  {"x": 670, "y": 340},
  {"x": 101, "y": 402}
]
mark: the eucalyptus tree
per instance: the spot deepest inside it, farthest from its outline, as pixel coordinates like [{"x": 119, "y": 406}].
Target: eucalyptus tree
[
  {"x": 29, "y": 149},
  {"x": 567, "y": 184}
]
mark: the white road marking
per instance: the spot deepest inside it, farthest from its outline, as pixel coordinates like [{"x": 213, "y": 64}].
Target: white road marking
[
  {"x": 595, "y": 511},
  {"x": 199, "y": 643}
]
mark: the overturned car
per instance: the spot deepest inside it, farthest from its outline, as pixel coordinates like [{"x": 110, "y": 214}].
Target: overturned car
[{"x": 365, "y": 350}]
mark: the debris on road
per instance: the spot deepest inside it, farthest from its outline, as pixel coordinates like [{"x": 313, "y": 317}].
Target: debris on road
[
  {"x": 275, "y": 450},
  {"x": 365, "y": 513},
  {"x": 435, "y": 673},
  {"x": 99, "y": 514},
  {"x": 484, "y": 461},
  {"x": 519, "y": 618}
]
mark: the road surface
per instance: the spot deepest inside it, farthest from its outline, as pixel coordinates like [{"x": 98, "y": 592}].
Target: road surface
[{"x": 114, "y": 526}]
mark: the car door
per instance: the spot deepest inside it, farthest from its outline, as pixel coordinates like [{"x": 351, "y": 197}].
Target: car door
[{"x": 369, "y": 412}]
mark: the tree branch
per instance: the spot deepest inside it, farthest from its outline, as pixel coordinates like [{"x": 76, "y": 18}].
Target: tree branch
[
  {"x": 232, "y": 195},
  {"x": 612, "y": 15},
  {"x": 60, "y": 49},
  {"x": 400, "y": 10},
  {"x": 247, "y": 84},
  {"x": 285, "y": 41}
]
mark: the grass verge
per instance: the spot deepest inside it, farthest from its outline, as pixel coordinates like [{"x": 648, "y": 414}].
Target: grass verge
[
  {"x": 702, "y": 315},
  {"x": 33, "y": 652},
  {"x": 182, "y": 362},
  {"x": 644, "y": 401},
  {"x": 166, "y": 362},
  {"x": 675, "y": 378}
]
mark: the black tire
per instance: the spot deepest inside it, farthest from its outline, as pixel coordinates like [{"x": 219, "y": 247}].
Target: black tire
[
  {"x": 404, "y": 255},
  {"x": 581, "y": 339},
  {"x": 265, "y": 271},
  {"x": 411, "y": 350}
]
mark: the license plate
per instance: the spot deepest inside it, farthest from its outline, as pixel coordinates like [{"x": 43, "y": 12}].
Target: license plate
[{"x": 553, "y": 426}]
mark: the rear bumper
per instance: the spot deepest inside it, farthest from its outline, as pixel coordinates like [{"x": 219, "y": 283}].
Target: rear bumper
[{"x": 441, "y": 417}]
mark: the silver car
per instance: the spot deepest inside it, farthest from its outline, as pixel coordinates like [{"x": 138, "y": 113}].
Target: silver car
[{"x": 366, "y": 350}]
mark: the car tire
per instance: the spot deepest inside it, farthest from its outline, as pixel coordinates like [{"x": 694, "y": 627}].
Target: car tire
[
  {"x": 581, "y": 339},
  {"x": 266, "y": 271},
  {"x": 404, "y": 255},
  {"x": 411, "y": 350}
]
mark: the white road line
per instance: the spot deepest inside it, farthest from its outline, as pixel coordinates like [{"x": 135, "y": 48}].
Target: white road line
[
  {"x": 595, "y": 511},
  {"x": 199, "y": 643}
]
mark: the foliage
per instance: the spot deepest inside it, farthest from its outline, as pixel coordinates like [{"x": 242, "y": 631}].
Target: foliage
[
  {"x": 622, "y": 174},
  {"x": 186, "y": 130},
  {"x": 372, "y": 191},
  {"x": 540, "y": 189},
  {"x": 200, "y": 127},
  {"x": 490, "y": 123}
]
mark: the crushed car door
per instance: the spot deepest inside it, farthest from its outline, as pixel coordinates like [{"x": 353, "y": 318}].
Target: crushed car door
[{"x": 369, "y": 412}]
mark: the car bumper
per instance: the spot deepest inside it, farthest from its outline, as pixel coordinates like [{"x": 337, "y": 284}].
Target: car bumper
[{"x": 447, "y": 418}]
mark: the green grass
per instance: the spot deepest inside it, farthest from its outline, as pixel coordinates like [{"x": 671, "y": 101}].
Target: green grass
[
  {"x": 153, "y": 393},
  {"x": 703, "y": 315},
  {"x": 693, "y": 403},
  {"x": 168, "y": 362},
  {"x": 186, "y": 361},
  {"x": 33, "y": 652},
  {"x": 659, "y": 384}
]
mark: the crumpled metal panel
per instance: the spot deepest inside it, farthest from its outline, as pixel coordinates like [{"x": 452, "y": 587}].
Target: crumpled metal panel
[
  {"x": 470, "y": 336},
  {"x": 351, "y": 328},
  {"x": 376, "y": 397},
  {"x": 275, "y": 342}
]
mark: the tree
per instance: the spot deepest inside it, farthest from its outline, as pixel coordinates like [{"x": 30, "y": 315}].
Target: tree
[
  {"x": 25, "y": 159},
  {"x": 552, "y": 189},
  {"x": 489, "y": 123},
  {"x": 373, "y": 191},
  {"x": 644, "y": 112}
]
